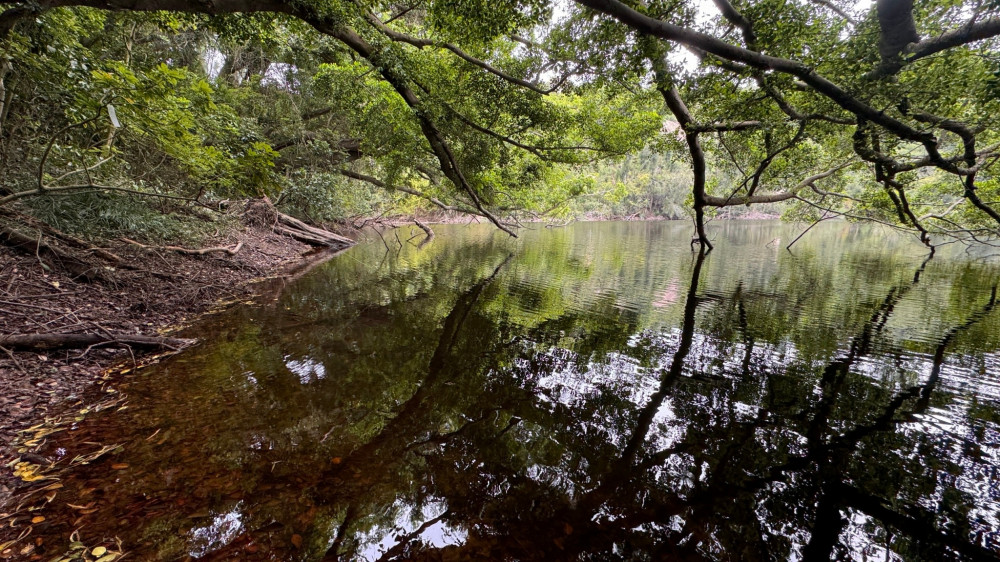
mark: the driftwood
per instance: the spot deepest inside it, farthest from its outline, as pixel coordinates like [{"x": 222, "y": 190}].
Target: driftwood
[
  {"x": 42, "y": 342},
  {"x": 291, "y": 226},
  {"x": 189, "y": 251},
  {"x": 424, "y": 227},
  {"x": 262, "y": 213}
]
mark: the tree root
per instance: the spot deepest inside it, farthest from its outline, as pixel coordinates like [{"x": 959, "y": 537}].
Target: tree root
[
  {"x": 188, "y": 251},
  {"x": 43, "y": 342}
]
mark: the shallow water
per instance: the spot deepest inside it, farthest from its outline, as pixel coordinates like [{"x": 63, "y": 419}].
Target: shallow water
[{"x": 590, "y": 392}]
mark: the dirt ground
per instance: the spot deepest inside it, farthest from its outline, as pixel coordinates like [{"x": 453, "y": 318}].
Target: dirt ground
[{"x": 150, "y": 292}]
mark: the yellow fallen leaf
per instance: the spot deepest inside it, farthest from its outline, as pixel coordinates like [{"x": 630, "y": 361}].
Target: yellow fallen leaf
[
  {"x": 38, "y": 519},
  {"x": 98, "y": 551},
  {"x": 107, "y": 557}
]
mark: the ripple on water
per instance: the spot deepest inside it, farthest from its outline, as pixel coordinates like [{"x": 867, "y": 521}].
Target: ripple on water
[{"x": 591, "y": 392}]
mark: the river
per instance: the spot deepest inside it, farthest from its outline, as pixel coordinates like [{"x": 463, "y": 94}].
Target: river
[{"x": 593, "y": 392}]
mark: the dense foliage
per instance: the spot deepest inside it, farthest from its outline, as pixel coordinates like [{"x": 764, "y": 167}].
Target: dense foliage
[{"x": 504, "y": 109}]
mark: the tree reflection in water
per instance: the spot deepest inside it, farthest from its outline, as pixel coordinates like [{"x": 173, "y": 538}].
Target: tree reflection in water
[{"x": 462, "y": 401}]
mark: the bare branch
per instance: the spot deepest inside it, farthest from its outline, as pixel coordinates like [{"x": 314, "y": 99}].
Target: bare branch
[
  {"x": 777, "y": 196},
  {"x": 727, "y": 127},
  {"x": 833, "y": 7}
]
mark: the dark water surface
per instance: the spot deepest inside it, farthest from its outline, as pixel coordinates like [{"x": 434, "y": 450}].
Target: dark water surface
[{"x": 595, "y": 392}]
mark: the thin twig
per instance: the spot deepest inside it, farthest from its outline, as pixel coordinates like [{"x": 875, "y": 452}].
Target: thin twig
[
  {"x": 26, "y": 305},
  {"x": 17, "y": 364},
  {"x": 819, "y": 220}
]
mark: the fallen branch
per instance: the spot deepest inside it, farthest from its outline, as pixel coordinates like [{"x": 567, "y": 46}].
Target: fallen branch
[
  {"x": 50, "y": 255},
  {"x": 41, "y": 342},
  {"x": 193, "y": 252},
  {"x": 291, "y": 226},
  {"x": 77, "y": 242},
  {"x": 13, "y": 359},
  {"x": 424, "y": 227},
  {"x": 262, "y": 213}
]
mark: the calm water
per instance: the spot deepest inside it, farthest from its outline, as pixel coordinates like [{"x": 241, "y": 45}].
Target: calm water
[{"x": 595, "y": 392}]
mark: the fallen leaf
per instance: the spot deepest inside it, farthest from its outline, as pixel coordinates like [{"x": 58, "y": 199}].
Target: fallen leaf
[
  {"x": 297, "y": 541},
  {"x": 98, "y": 551},
  {"x": 119, "y": 466},
  {"x": 336, "y": 460},
  {"x": 38, "y": 519},
  {"x": 107, "y": 557}
]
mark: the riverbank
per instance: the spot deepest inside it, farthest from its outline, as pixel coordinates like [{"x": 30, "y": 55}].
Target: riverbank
[{"x": 134, "y": 296}]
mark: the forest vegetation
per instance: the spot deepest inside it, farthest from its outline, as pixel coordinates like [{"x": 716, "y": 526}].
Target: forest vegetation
[{"x": 120, "y": 117}]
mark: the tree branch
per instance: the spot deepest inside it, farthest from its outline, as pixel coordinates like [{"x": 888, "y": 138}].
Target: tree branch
[
  {"x": 422, "y": 43},
  {"x": 972, "y": 31},
  {"x": 896, "y": 30},
  {"x": 664, "y": 30},
  {"x": 408, "y": 190},
  {"x": 775, "y": 197}
]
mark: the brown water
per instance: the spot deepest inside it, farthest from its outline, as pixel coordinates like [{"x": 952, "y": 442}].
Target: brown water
[{"x": 595, "y": 392}]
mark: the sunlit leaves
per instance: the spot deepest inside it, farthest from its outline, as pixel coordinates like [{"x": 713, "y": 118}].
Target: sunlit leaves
[{"x": 479, "y": 20}]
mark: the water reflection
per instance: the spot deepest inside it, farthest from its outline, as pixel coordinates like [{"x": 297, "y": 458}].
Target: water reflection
[{"x": 595, "y": 392}]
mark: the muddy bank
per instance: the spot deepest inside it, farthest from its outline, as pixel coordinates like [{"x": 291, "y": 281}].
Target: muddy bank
[{"x": 151, "y": 292}]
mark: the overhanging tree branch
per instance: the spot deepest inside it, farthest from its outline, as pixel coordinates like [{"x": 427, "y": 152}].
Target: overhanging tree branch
[
  {"x": 689, "y": 37},
  {"x": 408, "y": 190},
  {"x": 423, "y": 43}
]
